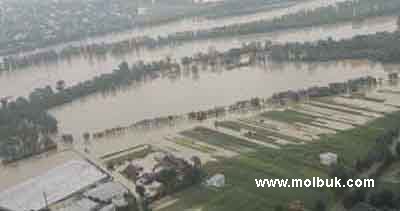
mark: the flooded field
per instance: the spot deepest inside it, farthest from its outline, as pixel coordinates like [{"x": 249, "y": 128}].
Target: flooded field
[
  {"x": 165, "y": 96},
  {"x": 21, "y": 82}
]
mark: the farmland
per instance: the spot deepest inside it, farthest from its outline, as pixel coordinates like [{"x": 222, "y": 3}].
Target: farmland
[{"x": 297, "y": 158}]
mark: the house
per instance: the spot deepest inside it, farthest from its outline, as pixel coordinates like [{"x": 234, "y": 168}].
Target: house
[
  {"x": 296, "y": 206},
  {"x": 338, "y": 87},
  {"x": 207, "y": 1},
  {"x": 153, "y": 189},
  {"x": 245, "y": 59},
  {"x": 217, "y": 180},
  {"x": 142, "y": 10},
  {"x": 392, "y": 76},
  {"x": 132, "y": 172},
  {"x": 328, "y": 158},
  {"x": 2, "y": 64},
  {"x": 67, "y": 138}
]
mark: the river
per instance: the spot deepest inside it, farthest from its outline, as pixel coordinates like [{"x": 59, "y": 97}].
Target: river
[
  {"x": 165, "y": 96},
  {"x": 22, "y": 82},
  {"x": 193, "y": 24}
]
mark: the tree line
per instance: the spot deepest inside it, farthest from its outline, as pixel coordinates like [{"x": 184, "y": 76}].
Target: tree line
[
  {"x": 345, "y": 11},
  {"x": 383, "y": 47}
]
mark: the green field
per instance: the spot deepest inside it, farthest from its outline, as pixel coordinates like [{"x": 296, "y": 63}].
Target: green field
[
  {"x": 260, "y": 131},
  {"x": 219, "y": 139},
  {"x": 289, "y": 116},
  {"x": 291, "y": 161}
]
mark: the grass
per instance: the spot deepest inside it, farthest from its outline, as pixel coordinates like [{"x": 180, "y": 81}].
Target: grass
[
  {"x": 262, "y": 134},
  {"x": 128, "y": 156},
  {"x": 330, "y": 101},
  {"x": 241, "y": 193},
  {"x": 289, "y": 116},
  {"x": 390, "y": 179},
  {"x": 267, "y": 131},
  {"x": 219, "y": 139},
  {"x": 336, "y": 109},
  {"x": 193, "y": 145},
  {"x": 292, "y": 161}
]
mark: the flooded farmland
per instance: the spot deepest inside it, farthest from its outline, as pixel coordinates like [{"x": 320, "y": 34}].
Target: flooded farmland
[
  {"x": 166, "y": 96},
  {"x": 77, "y": 69}
]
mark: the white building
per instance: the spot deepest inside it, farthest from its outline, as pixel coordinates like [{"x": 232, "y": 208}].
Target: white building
[
  {"x": 328, "y": 158},
  {"x": 207, "y": 1},
  {"x": 142, "y": 10},
  {"x": 217, "y": 180},
  {"x": 2, "y": 65}
]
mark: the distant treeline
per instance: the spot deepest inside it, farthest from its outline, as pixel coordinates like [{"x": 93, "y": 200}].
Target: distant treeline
[
  {"x": 383, "y": 47},
  {"x": 345, "y": 11}
]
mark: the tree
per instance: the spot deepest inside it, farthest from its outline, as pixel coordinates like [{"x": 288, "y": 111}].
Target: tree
[
  {"x": 86, "y": 136},
  {"x": 124, "y": 66},
  {"x": 383, "y": 199},
  {"x": 169, "y": 178},
  {"x": 398, "y": 149},
  {"x": 319, "y": 206},
  {"x": 398, "y": 23},
  {"x": 140, "y": 190},
  {"x": 196, "y": 162},
  {"x": 354, "y": 197},
  {"x": 60, "y": 85},
  {"x": 279, "y": 208}
]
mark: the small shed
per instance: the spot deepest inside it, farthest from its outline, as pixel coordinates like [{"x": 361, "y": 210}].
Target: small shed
[
  {"x": 217, "y": 180},
  {"x": 328, "y": 158}
]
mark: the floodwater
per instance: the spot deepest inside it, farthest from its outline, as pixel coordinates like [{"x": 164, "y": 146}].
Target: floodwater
[
  {"x": 193, "y": 24},
  {"x": 77, "y": 69},
  {"x": 165, "y": 96}
]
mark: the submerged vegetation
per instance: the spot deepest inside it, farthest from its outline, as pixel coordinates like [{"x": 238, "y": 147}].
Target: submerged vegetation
[
  {"x": 345, "y": 11},
  {"x": 383, "y": 47}
]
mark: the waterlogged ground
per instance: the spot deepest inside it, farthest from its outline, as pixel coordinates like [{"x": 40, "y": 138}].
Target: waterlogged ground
[
  {"x": 295, "y": 124},
  {"x": 192, "y": 92}
]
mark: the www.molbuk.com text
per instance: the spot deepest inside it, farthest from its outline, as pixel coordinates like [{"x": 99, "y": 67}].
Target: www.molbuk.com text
[{"x": 315, "y": 182}]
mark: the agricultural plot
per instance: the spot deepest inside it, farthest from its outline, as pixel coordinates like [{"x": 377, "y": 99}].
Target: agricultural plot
[
  {"x": 358, "y": 111},
  {"x": 322, "y": 121},
  {"x": 335, "y": 114},
  {"x": 133, "y": 153},
  {"x": 364, "y": 104},
  {"x": 185, "y": 148},
  {"x": 291, "y": 161},
  {"x": 311, "y": 122},
  {"x": 258, "y": 132},
  {"x": 219, "y": 139},
  {"x": 240, "y": 192},
  {"x": 282, "y": 128},
  {"x": 391, "y": 98}
]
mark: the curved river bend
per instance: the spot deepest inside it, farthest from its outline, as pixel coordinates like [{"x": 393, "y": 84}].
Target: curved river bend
[{"x": 22, "y": 82}]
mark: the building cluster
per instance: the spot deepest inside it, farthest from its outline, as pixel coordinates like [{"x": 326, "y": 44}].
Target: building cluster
[{"x": 154, "y": 174}]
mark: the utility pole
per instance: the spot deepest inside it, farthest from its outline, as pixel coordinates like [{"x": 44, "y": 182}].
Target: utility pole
[{"x": 46, "y": 203}]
